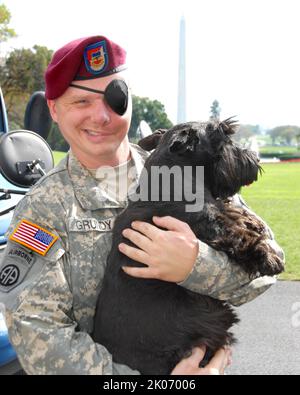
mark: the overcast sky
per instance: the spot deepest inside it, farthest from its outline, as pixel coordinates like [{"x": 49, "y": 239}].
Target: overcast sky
[{"x": 244, "y": 53}]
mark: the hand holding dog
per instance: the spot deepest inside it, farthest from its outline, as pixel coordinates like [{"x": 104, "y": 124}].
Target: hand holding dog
[
  {"x": 169, "y": 254},
  {"x": 216, "y": 366}
]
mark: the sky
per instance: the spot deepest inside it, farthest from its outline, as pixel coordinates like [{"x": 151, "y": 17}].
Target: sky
[{"x": 243, "y": 53}]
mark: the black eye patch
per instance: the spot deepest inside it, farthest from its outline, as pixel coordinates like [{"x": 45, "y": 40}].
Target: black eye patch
[{"x": 115, "y": 95}]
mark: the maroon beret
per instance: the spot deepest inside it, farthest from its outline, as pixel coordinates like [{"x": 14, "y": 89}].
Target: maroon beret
[{"x": 82, "y": 59}]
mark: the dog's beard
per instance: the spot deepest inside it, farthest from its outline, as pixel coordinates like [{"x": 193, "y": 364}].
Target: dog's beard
[{"x": 235, "y": 169}]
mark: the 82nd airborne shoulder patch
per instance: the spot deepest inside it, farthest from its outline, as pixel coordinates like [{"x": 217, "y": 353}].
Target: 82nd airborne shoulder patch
[{"x": 33, "y": 237}]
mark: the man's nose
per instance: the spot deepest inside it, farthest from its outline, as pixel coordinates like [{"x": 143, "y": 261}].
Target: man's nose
[{"x": 100, "y": 113}]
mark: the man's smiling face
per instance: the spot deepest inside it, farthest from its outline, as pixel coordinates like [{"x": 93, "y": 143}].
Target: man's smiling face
[{"x": 92, "y": 129}]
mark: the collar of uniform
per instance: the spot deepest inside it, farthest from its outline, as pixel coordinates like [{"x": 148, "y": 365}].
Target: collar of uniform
[
  {"x": 86, "y": 188},
  {"x": 139, "y": 156}
]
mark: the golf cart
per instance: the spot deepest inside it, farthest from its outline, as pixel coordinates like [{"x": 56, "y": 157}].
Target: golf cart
[{"x": 25, "y": 157}]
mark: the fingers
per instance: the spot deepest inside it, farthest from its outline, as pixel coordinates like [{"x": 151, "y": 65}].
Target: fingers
[
  {"x": 152, "y": 232},
  {"x": 139, "y": 240},
  {"x": 171, "y": 223},
  {"x": 220, "y": 361},
  {"x": 140, "y": 272},
  {"x": 149, "y": 230},
  {"x": 190, "y": 365},
  {"x": 134, "y": 253},
  {"x": 197, "y": 356},
  {"x": 169, "y": 255}
]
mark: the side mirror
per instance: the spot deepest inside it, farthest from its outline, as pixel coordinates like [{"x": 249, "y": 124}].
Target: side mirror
[
  {"x": 37, "y": 115},
  {"x": 24, "y": 157}
]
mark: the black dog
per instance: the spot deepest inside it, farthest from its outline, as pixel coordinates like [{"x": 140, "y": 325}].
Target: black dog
[{"x": 150, "y": 325}]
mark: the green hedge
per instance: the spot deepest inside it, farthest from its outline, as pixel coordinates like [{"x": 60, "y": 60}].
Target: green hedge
[{"x": 280, "y": 155}]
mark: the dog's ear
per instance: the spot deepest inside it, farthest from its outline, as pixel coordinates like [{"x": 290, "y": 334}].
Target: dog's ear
[
  {"x": 151, "y": 142},
  {"x": 184, "y": 142},
  {"x": 229, "y": 126},
  {"x": 220, "y": 132}
]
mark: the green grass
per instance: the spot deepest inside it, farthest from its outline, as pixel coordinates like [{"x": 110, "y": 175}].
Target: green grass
[
  {"x": 58, "y": 156},
  {"x": 276, "y": 198},
  {"x": 278, "y": 149}
]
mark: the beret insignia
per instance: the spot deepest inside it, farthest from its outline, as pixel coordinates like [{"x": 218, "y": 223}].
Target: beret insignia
[{"x": 95, "y": 57}]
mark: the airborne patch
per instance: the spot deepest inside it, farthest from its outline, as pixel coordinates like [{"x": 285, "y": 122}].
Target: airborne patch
[
  {"x": 33, "y": 237},
  {"x": 15, "y": 265}
]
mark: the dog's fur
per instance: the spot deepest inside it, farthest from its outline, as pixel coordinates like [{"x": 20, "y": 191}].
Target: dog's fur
[{"x": 150, "y": 325}]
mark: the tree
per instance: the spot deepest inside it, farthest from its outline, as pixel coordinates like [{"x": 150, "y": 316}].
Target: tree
[
  {"x": 24, "y": 69},
  {"x": 151, "y": 111},
  {"x": 20, "y": 76},
  {"x": 298, "y": 141},
  {"x": 5, "y": 31},
  {"x": 290, "y": 133},
  {"x": 275, "y": 133},
  {"x": 56, "y": 140},
  {"x": 215, "y": 111},
  {"x": 246, "y": 131},
  {"x": 286, "y": 133}
]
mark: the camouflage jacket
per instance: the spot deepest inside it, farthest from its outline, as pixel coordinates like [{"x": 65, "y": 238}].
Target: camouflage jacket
[{"x": 50, "y": 299}]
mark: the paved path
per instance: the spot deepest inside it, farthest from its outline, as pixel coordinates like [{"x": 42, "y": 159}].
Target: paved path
[{"x": 269, "y": 333}]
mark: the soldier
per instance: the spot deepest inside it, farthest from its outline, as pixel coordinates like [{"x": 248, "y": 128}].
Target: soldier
[{"x": 60, "y": 235}]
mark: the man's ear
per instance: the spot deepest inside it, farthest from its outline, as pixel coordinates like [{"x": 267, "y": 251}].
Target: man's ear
[
  {"x": 52, "y": 109},
  {"x": 151, "y": 142}
]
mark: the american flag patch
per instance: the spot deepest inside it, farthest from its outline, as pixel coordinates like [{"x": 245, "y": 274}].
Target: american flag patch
[{"x": 33, "y": 237}]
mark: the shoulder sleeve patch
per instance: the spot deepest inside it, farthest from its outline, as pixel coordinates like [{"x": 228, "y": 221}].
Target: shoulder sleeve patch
[
  {"x": 33, "y": 237},
  {"x": 15, "y": 265}
]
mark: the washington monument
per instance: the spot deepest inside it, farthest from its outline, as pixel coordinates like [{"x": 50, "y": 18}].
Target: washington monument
[{"x": 181, "y": 101}]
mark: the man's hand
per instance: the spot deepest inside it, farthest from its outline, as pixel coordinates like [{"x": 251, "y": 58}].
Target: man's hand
[
  {"x": 216, "y": 366},
  {"x": 169, "y": 254}
]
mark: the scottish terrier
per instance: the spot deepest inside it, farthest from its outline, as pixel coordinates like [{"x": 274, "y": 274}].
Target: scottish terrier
[{"x": 148, "y": 324}]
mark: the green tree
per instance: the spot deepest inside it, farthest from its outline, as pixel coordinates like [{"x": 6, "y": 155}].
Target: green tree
[
  {"x": 247, "y": 131},
  {"x": 287, "y": 133},
  {"x": 20, "y": 76},
  {"x": 5, "y": 31},
  {"x": 275, "y": 133},
  {"x": 215, "y": 111},
  {"x": 290, "y": 133},
  {"x": 298, "y": 141},
  {"x": 151, "y": 111},
  {"x": 56, "y": 140}
]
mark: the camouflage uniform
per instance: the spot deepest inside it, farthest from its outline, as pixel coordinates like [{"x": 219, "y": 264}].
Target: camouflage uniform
[{"x": 50, "y": 308}]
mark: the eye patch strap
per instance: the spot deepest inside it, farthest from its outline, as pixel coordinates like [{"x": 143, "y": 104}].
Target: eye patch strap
[
  {"x": 115, "y": 94},
  {"x": 87, "y": 89}
]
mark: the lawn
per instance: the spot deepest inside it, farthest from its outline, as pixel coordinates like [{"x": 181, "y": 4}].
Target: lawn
[
  {"x": 57, "y": 155},
  {"x": 278, "y": 149},
  {"x": 276, "y": 198}
]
